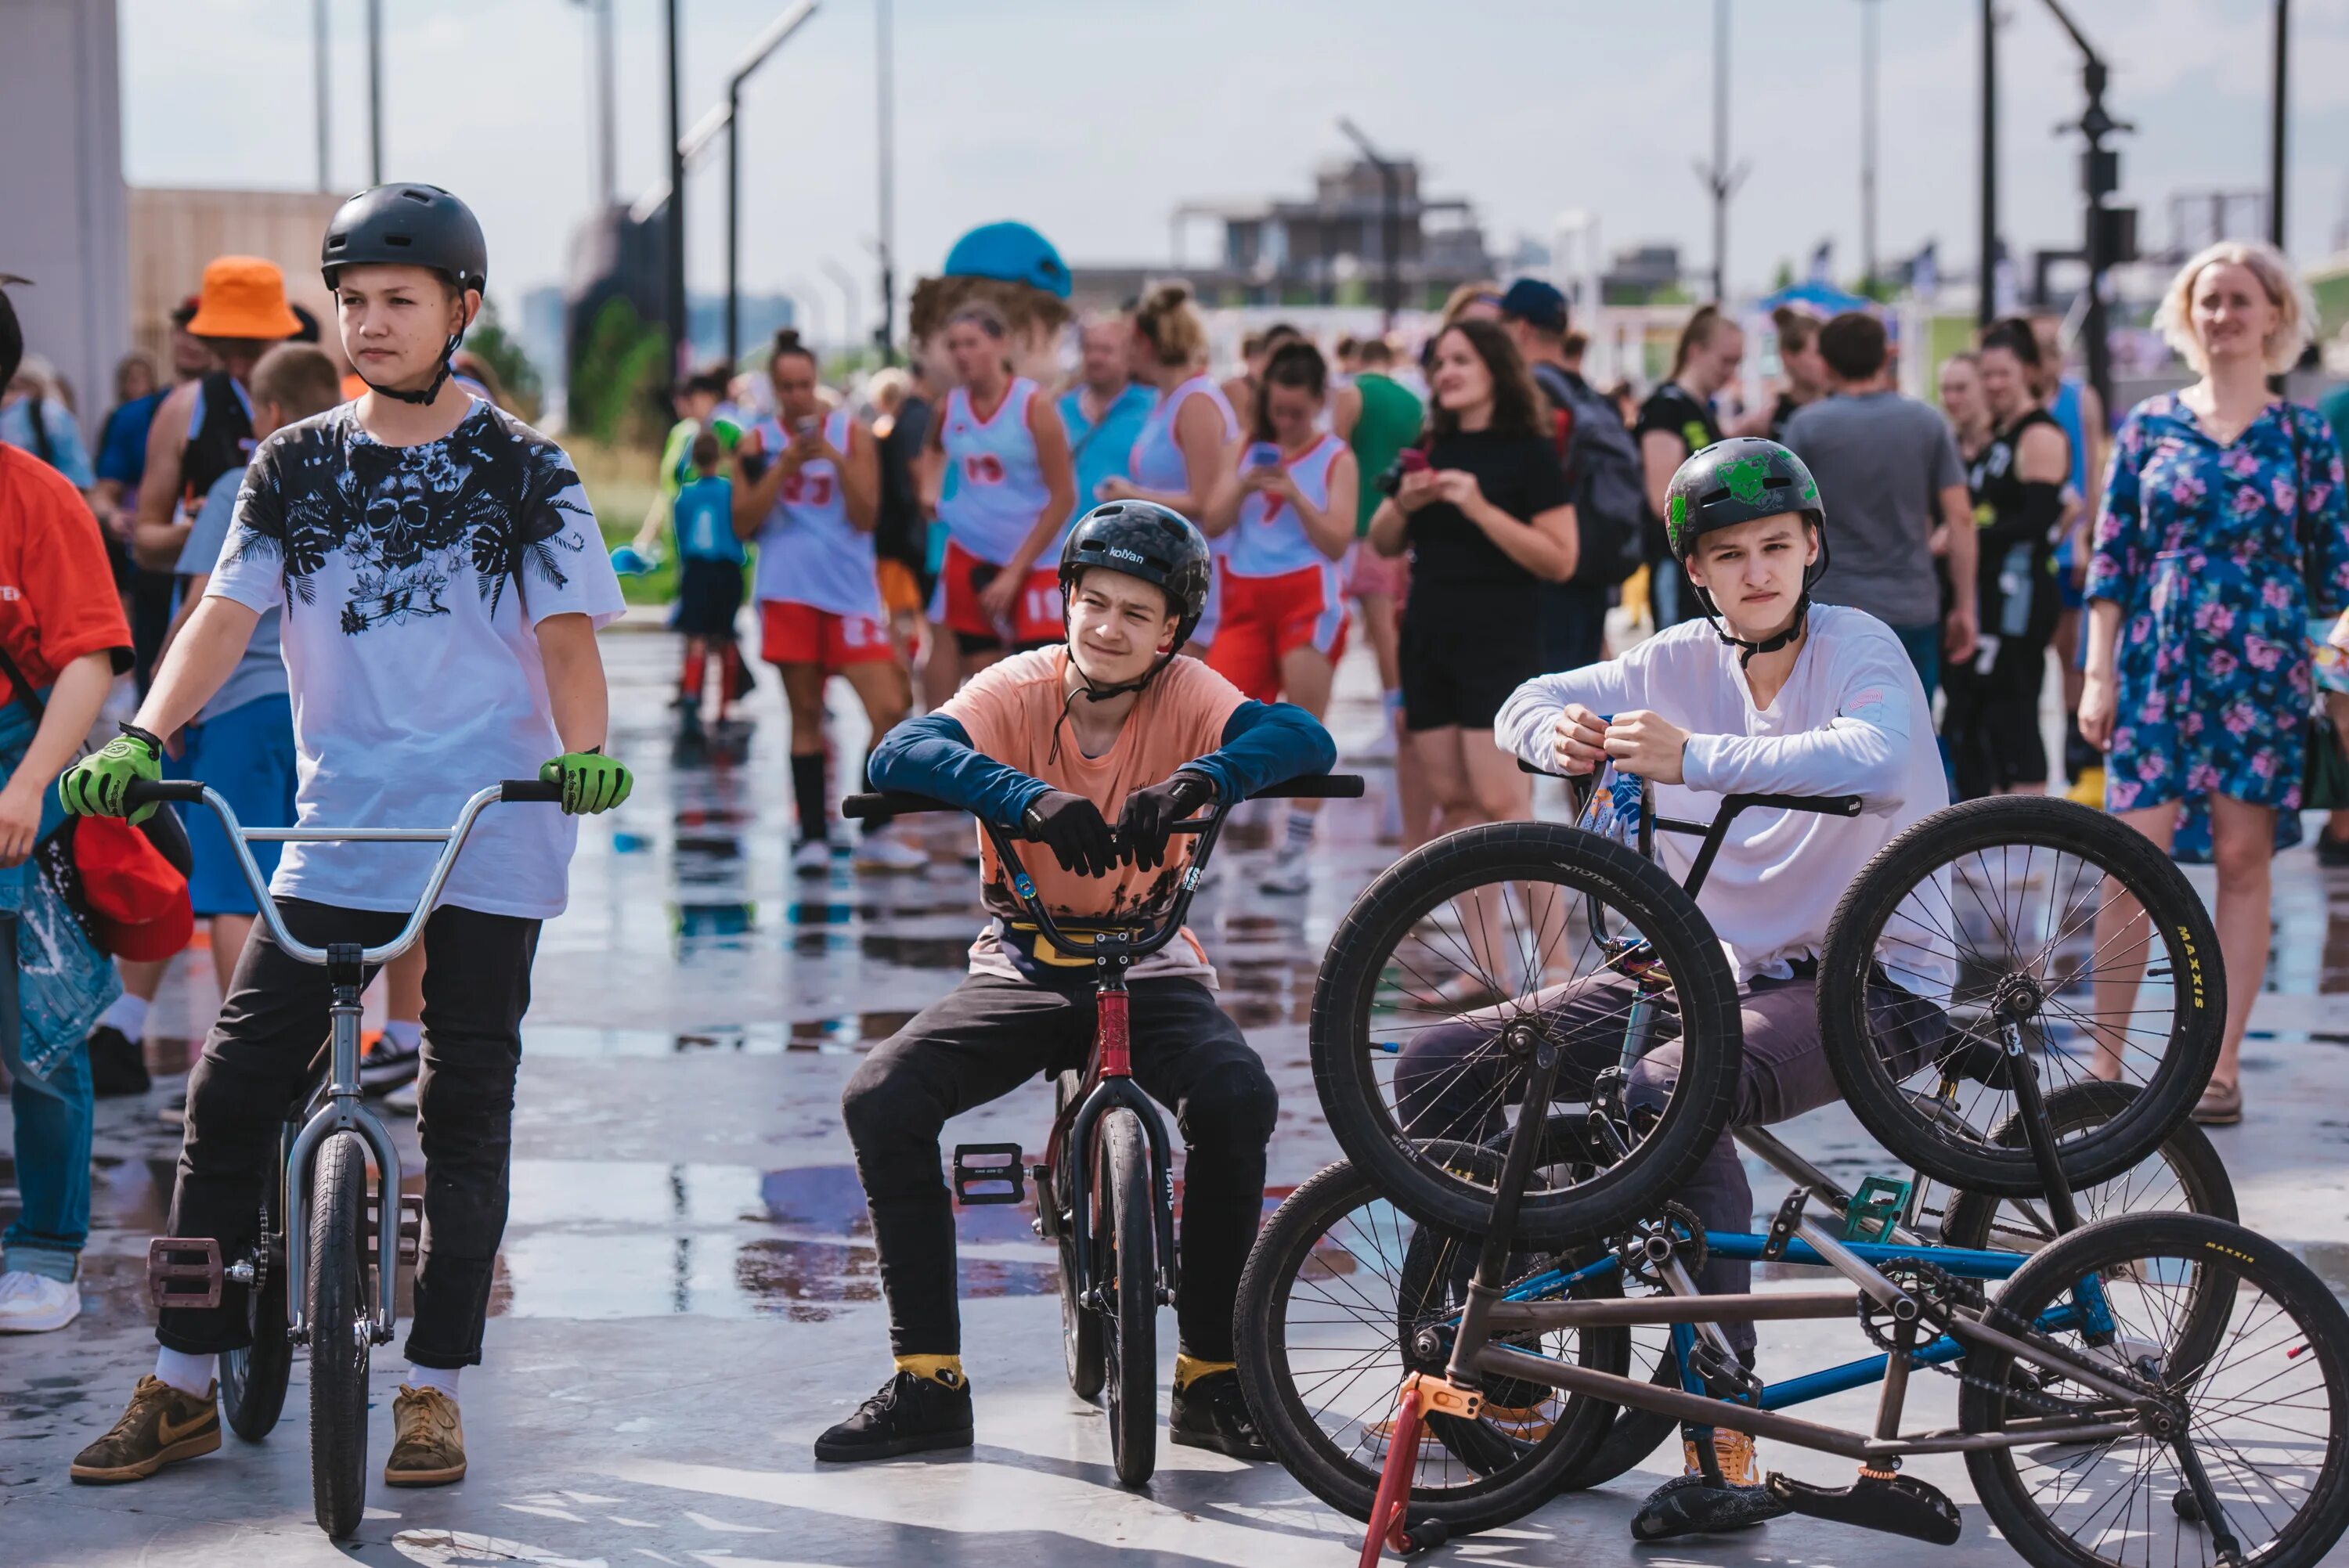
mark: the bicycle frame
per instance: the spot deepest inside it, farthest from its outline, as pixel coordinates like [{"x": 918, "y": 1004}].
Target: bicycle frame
[{"x": 346, "y": 964}]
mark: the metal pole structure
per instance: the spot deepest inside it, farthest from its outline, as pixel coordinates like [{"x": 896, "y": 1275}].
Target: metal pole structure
[
  {"x": 2100, "y": 176},
  {"x": 375, "y": 92},
  {"x": 1389, "y": 220},
  {"x": 608, "y": 106},
  {"x": 733, "y": 218},
  {"x": 2276, "y": 121},
  {"x": 1867, "y": 95},
  {"x": 319, "y": 88},
  {"x": 673, "y": 301},
  {"x": 1987, "y": 311},
  {"x": 885, "y": 152},
  {"x": 1720, "y": 150},
  {"x": 845, "y": 281},
  {"x": 804, "y": 298}
]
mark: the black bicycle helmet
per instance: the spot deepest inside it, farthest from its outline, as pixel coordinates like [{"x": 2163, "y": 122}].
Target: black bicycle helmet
[
  {"x": 1742, "y": 480},
  {"x": 1144, "y": 539},
  {"x": 410, "y": 225}
]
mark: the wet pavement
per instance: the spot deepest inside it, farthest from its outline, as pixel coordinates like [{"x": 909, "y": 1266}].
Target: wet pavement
[{"x": 687, "y": 1293}]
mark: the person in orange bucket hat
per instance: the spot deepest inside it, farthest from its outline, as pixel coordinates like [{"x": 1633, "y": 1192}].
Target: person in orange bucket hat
[{"x": 202, "y": 430}]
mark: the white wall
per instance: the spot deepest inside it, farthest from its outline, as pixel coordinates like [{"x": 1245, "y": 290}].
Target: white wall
[{"x": 62, "y": 208}]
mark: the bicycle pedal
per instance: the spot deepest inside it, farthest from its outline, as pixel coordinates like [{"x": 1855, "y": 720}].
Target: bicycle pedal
[
  {"x": 1880, "y": 1500},
  {"x": 1880, "y": 1205},
  {"x": 173, "y": 1260},
  {"x": 990, "y": 1173},
  {"x": 411, "y": 1226}
]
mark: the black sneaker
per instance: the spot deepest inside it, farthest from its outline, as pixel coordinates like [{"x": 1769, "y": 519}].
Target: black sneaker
[
  {"x": 909, "y": 1415},
  {"x": 385, "y": 1064},
  {"x": 116, "y": 1066},
  {"x": 2330, "y": 851},
  {"x": 1211, "y": 1411}
]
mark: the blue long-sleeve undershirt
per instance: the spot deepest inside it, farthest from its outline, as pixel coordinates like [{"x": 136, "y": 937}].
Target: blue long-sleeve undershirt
[{"x": 1264, "y": 744}]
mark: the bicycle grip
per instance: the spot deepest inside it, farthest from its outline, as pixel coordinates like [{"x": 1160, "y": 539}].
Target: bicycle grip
[
  {"x": 890, "y": 803},
  {"x": 530, "y": 790},
  {"x": 1314, "y": 786},
  {"x": 150, "y": 791}
]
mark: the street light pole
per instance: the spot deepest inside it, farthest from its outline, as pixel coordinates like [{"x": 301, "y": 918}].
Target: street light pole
[
  {"x": 375, "y": 92},
  {"x": 2100, "y": 176},
  {"x": 845, "y": 281},
  {"x": 673, "y": 300},
  {"x": 1986, "y": 311},
  {"x": 319, "y": 80},
  {"x": 1389, "y": 220},
  {"x": 733, "y": 217},
  {"x": 2276, "y": 122},
  {"x": 1868, "y": 84},
  {"x": 1719, "y": 178},
  {"x": 885, "y": 152}
]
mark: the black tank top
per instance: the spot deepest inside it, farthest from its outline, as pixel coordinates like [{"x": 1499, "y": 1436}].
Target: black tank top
[
  {"x": 2016, "y": 560},
  {"x": 220, "y": 444}
]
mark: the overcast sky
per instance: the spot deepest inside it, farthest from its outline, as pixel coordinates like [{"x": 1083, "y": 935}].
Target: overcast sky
[{"x": 1091, "y": 119}]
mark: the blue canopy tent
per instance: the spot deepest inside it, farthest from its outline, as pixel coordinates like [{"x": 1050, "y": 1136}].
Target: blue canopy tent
[{"x": 1819, "y": 298}]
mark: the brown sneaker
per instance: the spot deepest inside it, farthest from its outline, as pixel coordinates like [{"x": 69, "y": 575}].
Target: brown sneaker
[
  {"x": 428, "y": 1445},
  {"x": 1734, "y": 1450},
  {"x": 162, "y": 1426}
]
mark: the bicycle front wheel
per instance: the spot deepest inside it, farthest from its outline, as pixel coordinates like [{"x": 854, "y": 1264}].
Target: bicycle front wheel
[
  {"x": 2049, "y": 927},
  {"x": 1080, "y": 1329},
  {"x": 1469, "y": 957},
  {"x": 342, "y": 1336},
  {"x": 2242, "y": 1340},
  {"x": 1128, "y": 1269}
]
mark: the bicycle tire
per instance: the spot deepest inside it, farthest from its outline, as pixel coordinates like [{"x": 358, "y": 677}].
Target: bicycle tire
[
  {"x": 252, "y": 1380},
  {"x": 1971, "y": 1219},
  {"x": 341, "y": 1321},
  {"x": 1081, "y": 1330},
  {"x": 2109, "y": 1249},
  {"x": 2180, "y": 925},
  {"x": 1130, "y": 1287},
  {"x": 1344, "y": 1004},
  {"x": 1483, "y": 1500},
  {"x": 1631, "y": 1438}
]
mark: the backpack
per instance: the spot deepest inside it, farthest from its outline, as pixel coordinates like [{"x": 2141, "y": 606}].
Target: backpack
[{"x": 1602, "y": 479}]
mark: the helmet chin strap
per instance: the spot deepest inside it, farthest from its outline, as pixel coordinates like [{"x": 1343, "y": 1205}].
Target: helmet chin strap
[
  {"x": 1094, "y": 691},
  {"x": 1748, "y": 651}
]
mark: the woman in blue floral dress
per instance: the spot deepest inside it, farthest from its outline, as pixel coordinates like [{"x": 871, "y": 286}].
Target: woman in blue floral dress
[{"x": 2222, "y": 510}]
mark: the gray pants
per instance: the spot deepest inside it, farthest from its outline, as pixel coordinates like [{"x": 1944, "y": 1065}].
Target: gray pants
[{"x": 1455, "y": 1079}]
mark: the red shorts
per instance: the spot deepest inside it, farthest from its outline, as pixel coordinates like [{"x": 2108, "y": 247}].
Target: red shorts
[
  {"x": 794, "y": 633},
  {"x": 1267, "y": 617},
  {"x": 954, "y": 603},
  {"x": 1372, "y": 575}
]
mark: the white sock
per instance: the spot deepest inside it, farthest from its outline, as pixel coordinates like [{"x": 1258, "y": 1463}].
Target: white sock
[
  {"x": 405, "y": 1033},
  {"x": 441, "y": 1377},
  {"x": 187, "y": 1373},
  {"x": 127, "y": 1014},
  {"x": 1301, "y": 827}
]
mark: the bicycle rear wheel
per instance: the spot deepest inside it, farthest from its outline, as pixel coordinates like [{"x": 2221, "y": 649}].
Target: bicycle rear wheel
[
  {"x": 1328, "y": 1306},
  {"x": 2241, "y": 1336},
  {"x": 1488, "y": 935},
  {"x": 1126, "y": 1254},
  {"x": 342, "y": 1338},
  {"x": 2037, "y": 914},
  {"x": 252, "y": 1380},
  {"x": 2185, "y": 1175}
]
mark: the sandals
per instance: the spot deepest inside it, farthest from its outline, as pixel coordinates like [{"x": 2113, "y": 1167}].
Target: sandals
[{"x": 2221, "y": 1105}]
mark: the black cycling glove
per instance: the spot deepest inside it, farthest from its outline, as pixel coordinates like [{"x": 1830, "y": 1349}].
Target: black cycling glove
[
  {"x": 1073, "y": 829},
  {"x": 1148, "y": 818}
]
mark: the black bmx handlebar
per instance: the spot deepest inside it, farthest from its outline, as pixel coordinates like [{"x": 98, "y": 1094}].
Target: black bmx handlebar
[
  {"x": 1121, "y": 943},
  {"x": 190, "y": 791},
  {"x": 1712, "y": 833}
]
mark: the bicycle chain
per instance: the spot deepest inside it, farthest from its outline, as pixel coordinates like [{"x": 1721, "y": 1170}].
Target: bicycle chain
[{"x": 1937, "y": 1293}]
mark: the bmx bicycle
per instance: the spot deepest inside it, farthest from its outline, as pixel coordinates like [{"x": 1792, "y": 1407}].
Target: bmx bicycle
[
  {"x": 1105, "y": 1187},
  {"x": 1547, "y": 1185},
  {"x": 323, "y": 1268}
]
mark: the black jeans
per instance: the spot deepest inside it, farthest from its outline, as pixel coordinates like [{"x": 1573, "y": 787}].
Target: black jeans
[
  {"x": 476, "y": 989},
  {"x": 983, "y": 1041},
  {"x": 1445, "y": 1083},
  {"x": 1574, "y": 625}
]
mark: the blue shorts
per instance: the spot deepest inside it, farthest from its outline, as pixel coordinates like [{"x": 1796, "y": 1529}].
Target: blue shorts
[{"x": 246, "y": 754}]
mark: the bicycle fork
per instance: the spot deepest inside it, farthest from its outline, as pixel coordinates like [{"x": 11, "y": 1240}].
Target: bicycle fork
[
  {"x": 1113, "y": 1042},
  {"x": 343, "y": 1112}
]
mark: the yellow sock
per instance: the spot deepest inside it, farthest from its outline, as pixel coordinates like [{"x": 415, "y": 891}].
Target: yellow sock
[
  {"x": 1189, "y": 1366},
  {"x": 944, "y": 1370}
]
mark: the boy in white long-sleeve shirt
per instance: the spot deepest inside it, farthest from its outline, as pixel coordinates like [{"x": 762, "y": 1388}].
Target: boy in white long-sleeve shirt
[{"x": 1766, "y": 694}]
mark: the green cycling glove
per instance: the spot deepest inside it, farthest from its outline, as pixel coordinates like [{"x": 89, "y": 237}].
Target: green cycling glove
[
  {"x": 94, "y": 787},
  {"x": 591, "y": 781}
]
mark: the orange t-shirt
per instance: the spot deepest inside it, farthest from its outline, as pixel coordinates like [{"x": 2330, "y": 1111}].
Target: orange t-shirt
[
  {"x": 1010, "y": 711},
  {"x": 56, "y": 592}
]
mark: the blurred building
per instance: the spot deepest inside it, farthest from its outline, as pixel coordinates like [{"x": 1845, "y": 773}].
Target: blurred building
[
  {"x": 1327, "y": 248},
  {"x": 174, "y": 233},
  {"x": 61, "y": 187}
]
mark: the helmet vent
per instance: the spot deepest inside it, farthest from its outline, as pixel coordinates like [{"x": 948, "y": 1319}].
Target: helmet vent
[
  {"x": 421, "y": 197},
  {"x": 402, "y": 240}
]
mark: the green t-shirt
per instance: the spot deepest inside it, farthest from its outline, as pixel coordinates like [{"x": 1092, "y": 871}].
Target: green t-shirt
[
  {"x": 676, "y": 452},
  {"x": 1388, "y": 422}
]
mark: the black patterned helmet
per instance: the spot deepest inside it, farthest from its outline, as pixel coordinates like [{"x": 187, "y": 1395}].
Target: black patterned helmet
[
  {"x": 1144, "y": 539},
  {"x": 1733, "y": 481}
]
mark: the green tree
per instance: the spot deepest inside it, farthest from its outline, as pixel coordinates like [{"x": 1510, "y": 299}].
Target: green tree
[{"x": 617, "y": 390}]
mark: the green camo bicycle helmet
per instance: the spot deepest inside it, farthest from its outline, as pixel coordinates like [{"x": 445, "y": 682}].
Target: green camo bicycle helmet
[{"x": 1742, "y": 480}]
